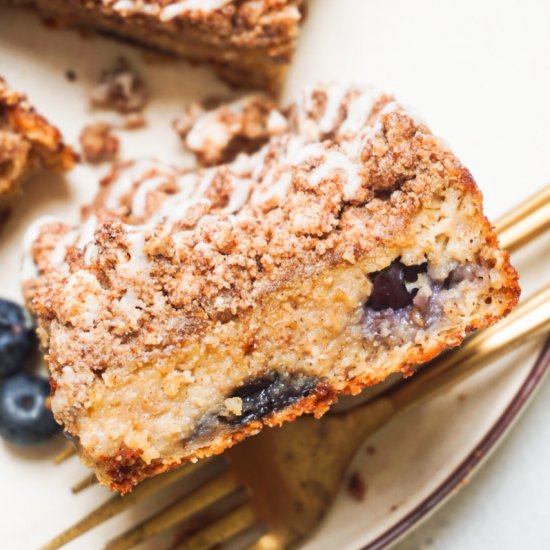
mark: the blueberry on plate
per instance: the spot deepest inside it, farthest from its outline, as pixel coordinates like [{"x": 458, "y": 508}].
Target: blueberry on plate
[
  {"x": 17, "y": 339},
  {"x": 24, "y": 417}
]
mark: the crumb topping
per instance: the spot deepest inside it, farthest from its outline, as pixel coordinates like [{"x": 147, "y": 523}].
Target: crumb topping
[
  {"x": 98, "y": 143},
  {"x": 218, "y": 135},
  {"x": 120, "y": 89},
  {"x": 134, "y": 121}
]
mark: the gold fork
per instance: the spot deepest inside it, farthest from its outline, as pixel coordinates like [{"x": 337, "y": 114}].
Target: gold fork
[{"x": 293, "y": 474}]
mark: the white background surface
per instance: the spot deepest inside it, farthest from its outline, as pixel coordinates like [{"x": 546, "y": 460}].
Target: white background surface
[
  {"x": 506, "y": 506},
  {"x": 478, "y": 71}
]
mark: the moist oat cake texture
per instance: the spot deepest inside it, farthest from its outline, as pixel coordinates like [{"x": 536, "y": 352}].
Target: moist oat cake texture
[
  {"x": 248, "y": 42},
  {"x": 28, "y": 143},
  {"x": 192, "y": 307}
]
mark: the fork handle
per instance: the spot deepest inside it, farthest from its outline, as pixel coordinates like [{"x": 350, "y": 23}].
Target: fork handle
[{"x": 525, "y": 222}]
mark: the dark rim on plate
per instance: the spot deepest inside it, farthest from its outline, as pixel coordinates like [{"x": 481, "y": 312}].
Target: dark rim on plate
[{"x": 473, "y": 459}]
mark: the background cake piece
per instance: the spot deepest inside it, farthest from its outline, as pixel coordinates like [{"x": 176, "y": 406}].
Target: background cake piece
[
  {"x": 28, "y": 142},
  {"x": 250, "y": 43},
  {"x": 193, "y": 307}
]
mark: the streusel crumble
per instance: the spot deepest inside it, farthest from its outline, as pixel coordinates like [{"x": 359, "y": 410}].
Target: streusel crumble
[{"x": 219, "y": 134}]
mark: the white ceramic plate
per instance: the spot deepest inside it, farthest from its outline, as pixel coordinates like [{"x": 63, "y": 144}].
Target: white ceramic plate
[{"x": 467, "y": 67}]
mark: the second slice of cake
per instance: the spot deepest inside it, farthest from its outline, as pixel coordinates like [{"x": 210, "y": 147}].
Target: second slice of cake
[
  {"x": 192, "y": 308},
  {"x": 248, "y": 42}
]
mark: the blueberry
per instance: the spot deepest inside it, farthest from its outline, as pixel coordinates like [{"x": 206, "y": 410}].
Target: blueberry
[
  {"x": 24, "y": 417},
  {"x": 388, "y": 286},
  {"x": 270, "y": 393},
  {"x": 17, "y": 339}
]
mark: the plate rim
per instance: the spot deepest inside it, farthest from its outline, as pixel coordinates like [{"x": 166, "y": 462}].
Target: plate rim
[{"x": 473, "y": 460}]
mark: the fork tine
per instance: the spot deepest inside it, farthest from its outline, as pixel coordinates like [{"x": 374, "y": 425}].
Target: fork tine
[
  {"x": 220, "y": 531},
  {"x": 525, "y": 222},
  {"x": 117, "y": 504},
  {"x": 65, "y": 454},
  {"x": 84, "y": 483},
  {"x": 202, "y": 497},
  {"x": 525, "y": 208}
]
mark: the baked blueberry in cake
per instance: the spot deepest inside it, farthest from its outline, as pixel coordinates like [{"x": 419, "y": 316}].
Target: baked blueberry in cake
[{"x": 191, "y": 308}]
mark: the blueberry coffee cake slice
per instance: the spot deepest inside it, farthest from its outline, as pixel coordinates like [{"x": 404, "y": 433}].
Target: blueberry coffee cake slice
[
  {"x": 28, "y": 142},
  {"x": 193, "y": 307},
  {"x": 249, "y": 42}
]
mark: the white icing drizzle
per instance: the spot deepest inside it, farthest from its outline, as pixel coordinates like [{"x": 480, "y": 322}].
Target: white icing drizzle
[
  {"x": 311, "y": 151},
  {"x": 129, "y": 304},
  {"x": 273, "y": 188},
  {"x": 176, "y": 214},
  {"x": 243, "y": 165},
  {"x": 29, "y": 270},
  {"x": 86, "y": 241},
  {"x": 390, "y": 107},
  {"x": 138, "y": 265},
  {"x": 208, "y": 130},
  {"x": 335, "y": 160},
  {"x": 90, "y": 253},
  {"x": 175, "y": 207},
  {"x": 125, "y": 6},
  {"x": 238, "y": 107},
  {"x": 206, "y": 181},
  {"x": 276, "y": 123},
  {"x": 139, "y": 202},
  {"x": 335, "y": 95},
  {"x": 239, "y": 196},
  {"x": 172, "y": 11},
  {"x": 358, "y": 112},
  {"x": 87, "y": 231},
  {"x": 126, "y": 179},
  {"x": 332, "y": 160},
  {"x": 306, "y": 98},
  {"x": 215, "y": 129},
  {"x": 58, "y": 254}
]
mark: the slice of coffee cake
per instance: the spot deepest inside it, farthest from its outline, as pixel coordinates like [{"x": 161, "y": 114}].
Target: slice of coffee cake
[
  {"x": 28, "y": 142},
  {"x": 249, "y": 42},
  {"x": 193, "y": 307}
]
